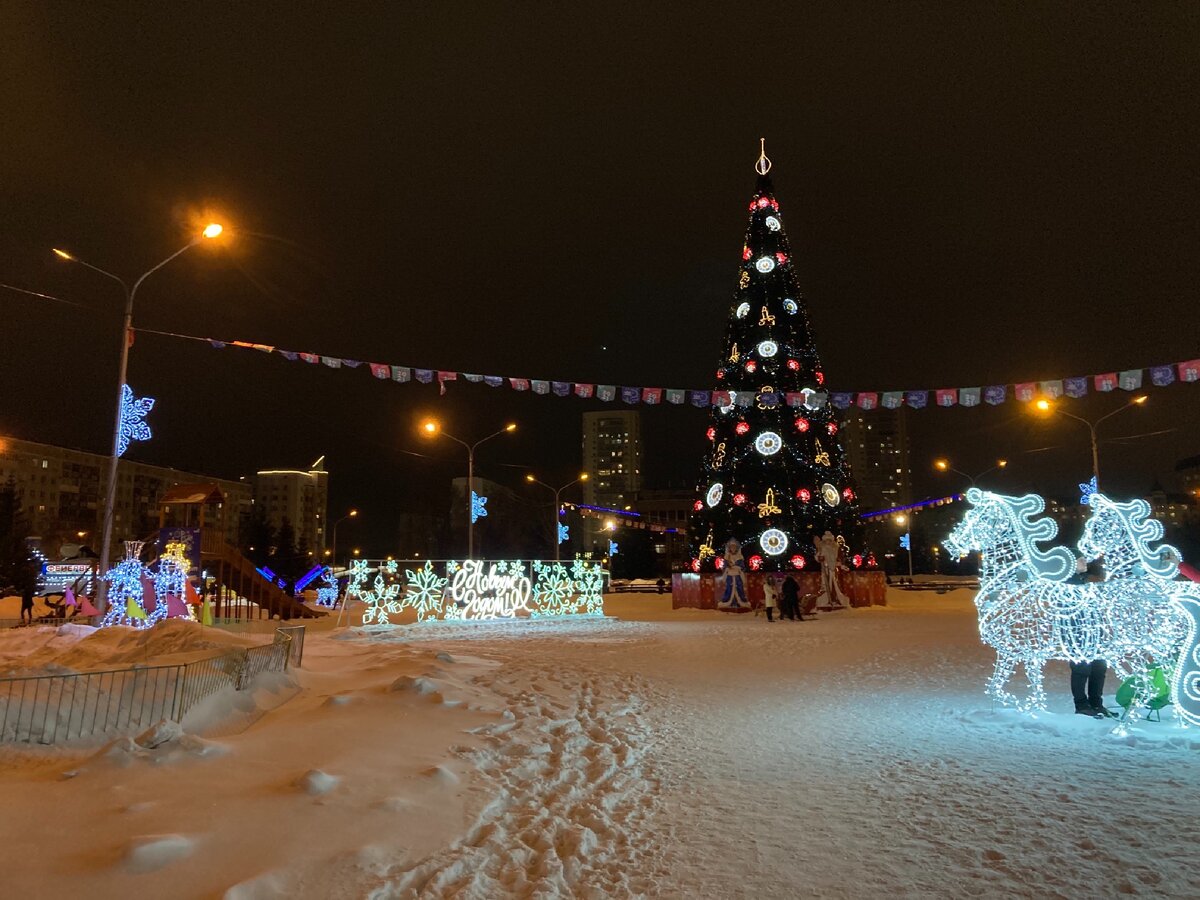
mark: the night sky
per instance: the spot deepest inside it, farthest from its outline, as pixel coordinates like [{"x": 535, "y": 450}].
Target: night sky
[{"x": 974, "y": 196}]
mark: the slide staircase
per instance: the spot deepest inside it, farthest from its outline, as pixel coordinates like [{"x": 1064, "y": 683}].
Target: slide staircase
[{"x": 234, "y": 573}]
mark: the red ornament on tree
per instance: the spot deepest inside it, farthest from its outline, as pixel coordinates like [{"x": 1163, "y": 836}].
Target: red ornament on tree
[
  {"x": 698, "y": 505},
  {"x": 782, "y": 257},
  {"x": 848, "y": 493},
  {"x": 745, "y": 253},
  {"x": 798, "y": 561},
  {"x": 712, "y": 433},
  {"x": 763, "y": 202},
  {"x": 803, "y": 495},
  {"x": 755, "y": 562},
  {"x": 820, "y": 377},
  {"x": 720, "y": 373},
  {"x": 831, "y": 427},
  {"x": 794, "y": 365},
  {"x": 695, "y": 565},
  {"x": 751, "y": 365},
  {"x": 857, "y": 560},
  {"x": 802, "y": 424},
  {"x": 741, "y": 427},
  {"x": 739, "y": 499}
]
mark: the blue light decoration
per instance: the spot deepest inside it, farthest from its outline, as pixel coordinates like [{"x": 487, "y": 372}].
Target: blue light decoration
[
  {"x": 171, "y": 578},
  {"x": 327, "y": 594},
  {"x": 1136, "y": 618},
  {"x": 478, "y": 507},
  {"x": 905, "y": 542},
  {"x": 564, "y": 533},
  {"x": 1087, "y": 490},
  {"x": 309, "y": 577},
  {"x": 125, "y": 594},
  {"x": 132, "y": 426},
  {"x": 612, "y": 548}
]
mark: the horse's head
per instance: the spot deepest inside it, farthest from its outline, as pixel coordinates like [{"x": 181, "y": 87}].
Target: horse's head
[
  {"x": 1122, "y": 533},
  {"x": 980, "y": 527}
]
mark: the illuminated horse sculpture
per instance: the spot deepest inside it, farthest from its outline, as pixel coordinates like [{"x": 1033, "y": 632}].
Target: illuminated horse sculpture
[
  {"x": 1122, "y": 534},
  {"x": 1030, "y": 615}
]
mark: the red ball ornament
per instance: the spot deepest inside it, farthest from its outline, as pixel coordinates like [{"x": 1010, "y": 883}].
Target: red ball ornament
[
  {"x": 820, "y": 377},
  {"x": 712, "y": 433},
  {"x": 742, "y": 427},
  {"x": 831, "y": 427},
  {"x": 848, "y": 494},
  {"x": 798, "y": 562},
  {"x": 803, "y": 495},
  {"x": 739, "y": 499},
  {"x": 755, "y": 562},
  {"x": 857, "y": 560},
  {"x": 782, "y": 257},
  {"x": 720, "y": 374},
  {"x": 802, "y": 424},
  {"x": 763, "y": 202},
  {"x": 794, "y": 365},
  {"x": 695, "y": 565},
  {"x": 698, "y": 505},
  {"x": 720, "y": 562},
  {"x": 751, "y": 365},
  {"x": 745, "y": 252}
]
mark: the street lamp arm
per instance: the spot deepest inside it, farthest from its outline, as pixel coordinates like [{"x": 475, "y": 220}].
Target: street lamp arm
[
  {"x": 107, "y": 274},
  {"x": 470, "y": 448},
  {"x": 155, "y": 268},
  {"x": 488, "y": 438},
  {"x": 1114, "y": 412}
]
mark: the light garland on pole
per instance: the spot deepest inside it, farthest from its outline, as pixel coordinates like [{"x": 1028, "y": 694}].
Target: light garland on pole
[
  {"x": 1137, "y": 618},
  {"x": 133, "y": 425}
]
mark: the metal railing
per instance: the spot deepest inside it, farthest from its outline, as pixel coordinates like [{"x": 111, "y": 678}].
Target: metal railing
[
  {"x": 17, "y": 623},
  {"x": 48, "y": 709}
]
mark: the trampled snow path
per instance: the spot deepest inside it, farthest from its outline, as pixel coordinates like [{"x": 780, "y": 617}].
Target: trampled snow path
[{"x": 571, "y": 773}]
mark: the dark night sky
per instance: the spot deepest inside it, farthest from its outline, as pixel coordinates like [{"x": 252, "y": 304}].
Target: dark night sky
[{"x": 974, "y": 196}]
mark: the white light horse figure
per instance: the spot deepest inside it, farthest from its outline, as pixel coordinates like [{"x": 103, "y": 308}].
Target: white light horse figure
[
  {"x": 1122, "y": 534},
  {"x": 1030, "y": 615}
]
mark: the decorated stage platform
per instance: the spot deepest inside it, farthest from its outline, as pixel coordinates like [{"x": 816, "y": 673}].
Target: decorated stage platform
[{"x": 699, "y": 591}]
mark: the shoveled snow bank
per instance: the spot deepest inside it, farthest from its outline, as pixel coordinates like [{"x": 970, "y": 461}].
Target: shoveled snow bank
[{"x": 77, "y": 648}]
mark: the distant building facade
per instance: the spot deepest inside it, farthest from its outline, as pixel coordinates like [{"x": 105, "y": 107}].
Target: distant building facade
[
  {"x": 876, "y": 444},
  {"x": 300, "y": 497},
  {"x": 612, "y": 457},
  {"x": 62, "y": 493}
]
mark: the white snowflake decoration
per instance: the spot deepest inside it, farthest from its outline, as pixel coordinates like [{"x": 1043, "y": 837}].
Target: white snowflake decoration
[
  {"x": 424, "y": 591},
  {"x": 553, "y": 591},
  {"x": 773, "y": 223},
  {"x": 381, "y": 599},
  {"x": 773, "y": 541},
  {"x": 768, "y": 443},
  {"x": 767, "y": 349},
  {"x": 765, "y": 264}
]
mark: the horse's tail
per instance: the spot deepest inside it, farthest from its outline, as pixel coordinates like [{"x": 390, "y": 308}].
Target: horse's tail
[{"x": 1185, "y": 687}]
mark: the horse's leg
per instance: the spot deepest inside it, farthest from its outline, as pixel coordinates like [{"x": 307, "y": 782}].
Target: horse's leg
[
  {"x": 1035, "y": 675},
  {"x": 1005, "y": 665}
]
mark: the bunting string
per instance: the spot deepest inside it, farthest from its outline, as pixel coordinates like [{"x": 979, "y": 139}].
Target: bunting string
[{"x": 1073, "y": 387}]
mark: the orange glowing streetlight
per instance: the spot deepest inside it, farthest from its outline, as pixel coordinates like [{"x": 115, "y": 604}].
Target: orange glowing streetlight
[
  {"x": 583, "y": 476},
  {"x": 210, "y": 231},
  {"x": 1044, "y": 405},
  {"x": 433, "y": 428},
  {"x": 943, "y": 465}
]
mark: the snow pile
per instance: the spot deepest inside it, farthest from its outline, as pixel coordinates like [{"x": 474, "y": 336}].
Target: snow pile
[{"x": 78, "y": 648}]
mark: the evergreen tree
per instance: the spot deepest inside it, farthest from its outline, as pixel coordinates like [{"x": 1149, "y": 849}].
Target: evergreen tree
[
  {"x": 257, "y": 536},
  {"x": 774, "y": 475},
  {"x": 283, "y": 560}
]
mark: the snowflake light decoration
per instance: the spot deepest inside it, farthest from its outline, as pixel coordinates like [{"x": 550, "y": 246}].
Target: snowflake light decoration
[
  {"x": 589, "y": 581},
  {"x": 564, "y": 533},
  {"x": 424, "y": 591},
  {"x": 773, "y": 541},
  {"x": 126, "y": 594},
  {"x": 1137, "y": 618},
  {"x": 764, "y": 264},
  {"x": 768, "y": 443},
  {"x": 478, "y": 506},
  {"x": 381, "y": 598},
  {"x": 612, "y": 548},
  {"x": 132, "y": 426},
  {"x": 1087, "y": 490},
  {"x": 553, "y": 591}
]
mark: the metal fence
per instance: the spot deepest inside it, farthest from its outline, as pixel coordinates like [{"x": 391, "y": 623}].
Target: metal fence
[{"x": 48, "y": 709}]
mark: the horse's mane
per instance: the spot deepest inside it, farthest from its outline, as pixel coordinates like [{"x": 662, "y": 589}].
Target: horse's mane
[
  {"x": 1161, "y": 561},
  {"x": 1055, "y": 564}
]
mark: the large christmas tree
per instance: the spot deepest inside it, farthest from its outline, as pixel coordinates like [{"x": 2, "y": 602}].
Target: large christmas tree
[{"x": 774, "y": 474}]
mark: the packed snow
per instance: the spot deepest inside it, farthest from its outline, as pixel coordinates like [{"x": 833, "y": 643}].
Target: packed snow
[{"x": 687, "y": 753}]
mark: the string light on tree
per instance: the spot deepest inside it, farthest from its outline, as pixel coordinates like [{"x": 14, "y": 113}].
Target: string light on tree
[{"x": 768, "y": 447}]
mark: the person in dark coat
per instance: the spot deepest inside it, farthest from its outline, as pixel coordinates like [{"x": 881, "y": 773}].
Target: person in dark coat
[
  {"x": 1087, "y": 676},
  {"x": 791, "y": 600}
]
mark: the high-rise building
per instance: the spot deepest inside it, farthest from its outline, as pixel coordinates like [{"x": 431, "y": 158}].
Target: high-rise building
[
  {"x": 612, "y": 457},
  {"x": 876, "y": 445},
  {"x": 299, "y": 496},
  {"x": 62, "y": 493}
]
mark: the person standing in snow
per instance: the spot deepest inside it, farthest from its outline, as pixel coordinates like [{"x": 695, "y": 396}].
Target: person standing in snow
[
  {"x": 770, "y": 597},
  {"x": 791, "y": 600},
  {"x": 28, "y": 586},
  {"x": 1087, "y": 676}
]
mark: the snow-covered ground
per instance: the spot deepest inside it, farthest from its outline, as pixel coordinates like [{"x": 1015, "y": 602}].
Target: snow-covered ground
[{"x": 680, "y": 754}]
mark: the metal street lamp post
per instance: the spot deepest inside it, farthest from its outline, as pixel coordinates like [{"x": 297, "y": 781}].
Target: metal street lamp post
[
  {"x": 211, "y": 231},
  {"x": 333, "y": 546},
  {"x": 1047, "y": 406},
  {"x": 557, "y": 507},
  {"x": 432, "y": 429}
]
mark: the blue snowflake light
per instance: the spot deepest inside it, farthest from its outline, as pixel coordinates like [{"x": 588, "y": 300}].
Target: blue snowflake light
[
  {"x": 133, "y": 426},
  {"x": 905, "y": 543},
  {"x": 612, "y": 548},
  {"x": 1086, "y": 490},
  {"x": 478, "y": 506},
  {"x": 564, "y": 533}
]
